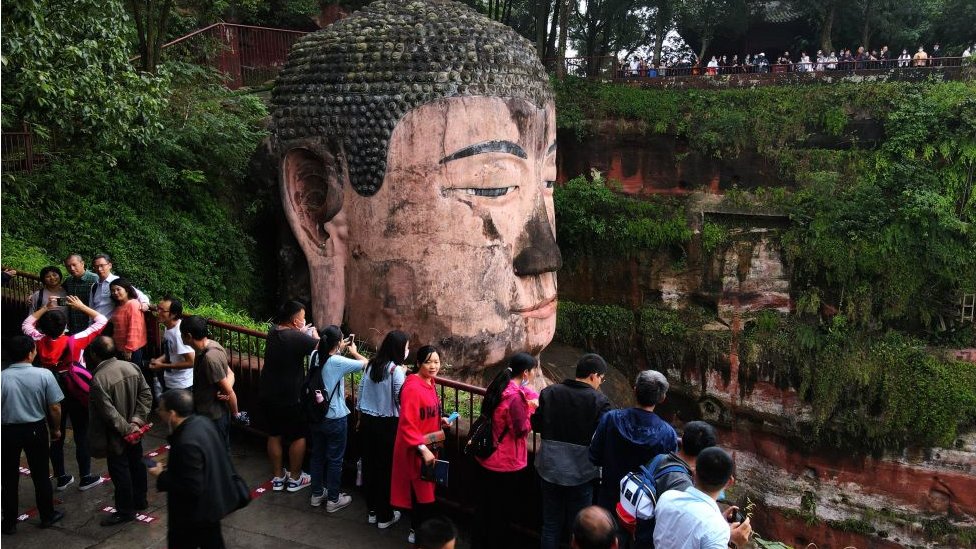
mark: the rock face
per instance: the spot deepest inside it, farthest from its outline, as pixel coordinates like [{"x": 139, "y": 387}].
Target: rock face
[{"x": 804, "y": 495}]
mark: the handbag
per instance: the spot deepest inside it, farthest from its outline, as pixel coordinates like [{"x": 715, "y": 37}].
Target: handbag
[
  {"x": 76, "y": 378},
  {"x": 434, "y": 440},
  {"x": 242, "y": 492}
]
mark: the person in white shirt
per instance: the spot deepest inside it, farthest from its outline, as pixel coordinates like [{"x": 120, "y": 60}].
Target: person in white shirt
[
  {"x": 713, "y": 64},
  {"x": 101, "y": 298},
  {"x": 176, "y": 361},
  {"x": 691, "y": 519}
]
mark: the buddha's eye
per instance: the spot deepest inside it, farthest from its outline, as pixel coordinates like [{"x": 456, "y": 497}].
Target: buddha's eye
[
  {"x": 490, "y": 192},
  {"x": 549, "y": 184}
]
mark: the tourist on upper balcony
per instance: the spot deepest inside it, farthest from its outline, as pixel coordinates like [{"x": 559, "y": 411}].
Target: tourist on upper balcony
[
  {"x": 57, "y": 351},
  {"x": 51, "y": 279},
  {"x": 904, "y": 59},
  {"x": 885, "y": 57},
  {"x": 832, "y": 61},
  {"x": 101, "y": 295},
  {"x": 379, "y": 413},
  {"x": 630, "y": 437},
  {"x": 289, "y": 342},
  {"x": 79, "y": 283},
  {"x": 936, "y": 56},
  {"x": 510, "y": 401},
  {"x": 920, "y": 58}
]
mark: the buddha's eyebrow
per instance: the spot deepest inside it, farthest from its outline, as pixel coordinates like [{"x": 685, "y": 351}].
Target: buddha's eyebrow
[{"x": 486, "y": 147}]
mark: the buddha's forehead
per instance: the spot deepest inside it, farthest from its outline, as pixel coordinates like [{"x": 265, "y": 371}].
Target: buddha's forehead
[{"x": 355, "y": 80}]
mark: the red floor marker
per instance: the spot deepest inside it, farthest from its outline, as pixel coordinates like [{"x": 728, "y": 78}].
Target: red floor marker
[
  {"x": 261, "y": 490},
  {"x": 25, "y": 471},
  {"x": 145, "y": 519},
  {"x": 32, "y": 512}
]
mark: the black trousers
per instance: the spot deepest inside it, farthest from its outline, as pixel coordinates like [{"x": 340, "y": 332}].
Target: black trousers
[
  {"x": 78, "y": 412},
  {"x": 32, "y": 439},
  {"x": 377, "y": 435},
  {"x": 493, "y": 512},
  {"x": 194, "y": 535},
  {"x": 128, "y": 474}
]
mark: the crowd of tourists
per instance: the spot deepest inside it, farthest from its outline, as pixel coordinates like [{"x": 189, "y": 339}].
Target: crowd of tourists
[
  {"x": 842, "y": 60},
  {"x": 609, "y": 477}
]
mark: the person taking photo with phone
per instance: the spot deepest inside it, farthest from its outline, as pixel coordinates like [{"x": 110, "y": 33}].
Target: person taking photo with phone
[{"x": 57, "y": 352}]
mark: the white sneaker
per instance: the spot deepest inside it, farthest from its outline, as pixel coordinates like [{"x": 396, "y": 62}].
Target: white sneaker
[
  {"x": 411, "y": 538},
  {"x": 385, "y": 525},
  {"x": 278, "y": 483},
  {"x": 316, "y": 501},
  {"x": 343, "y": 501},
  {"x": 304, "y": 480},
  {"x": 371, "y": 518}
]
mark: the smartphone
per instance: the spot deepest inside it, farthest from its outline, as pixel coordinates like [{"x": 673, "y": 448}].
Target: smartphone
[
  {"x": 61, "y": 301},
  {"x": 453, "y": 417},
  {"x": 150, "y": 462}
]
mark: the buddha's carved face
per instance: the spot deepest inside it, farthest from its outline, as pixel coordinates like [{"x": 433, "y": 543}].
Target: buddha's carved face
[{"x": 456, "y": 248}]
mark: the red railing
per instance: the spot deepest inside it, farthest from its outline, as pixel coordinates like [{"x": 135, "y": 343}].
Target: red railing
[
  {"x": 246, "y": 54},
  {"x": 17, "y": 152},
  {"x": 245, "y": 349}
]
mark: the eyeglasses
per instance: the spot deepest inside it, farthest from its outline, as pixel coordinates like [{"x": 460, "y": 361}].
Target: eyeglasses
[
  {"x": 99, "y": 265},
  {"x": 159, "y": 310}
]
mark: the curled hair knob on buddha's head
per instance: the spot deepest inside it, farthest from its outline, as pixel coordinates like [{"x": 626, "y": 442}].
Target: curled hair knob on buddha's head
[{"x": 355, "y": 79}]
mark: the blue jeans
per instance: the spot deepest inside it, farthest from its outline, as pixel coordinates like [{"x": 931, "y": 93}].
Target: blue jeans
[
  {"x": 560, "y": 504},
  {"x": 328, "y": 448}
]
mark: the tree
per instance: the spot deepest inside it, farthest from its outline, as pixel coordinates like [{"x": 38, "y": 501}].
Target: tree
[
  {"x": 663, "y": 22},
  {"x": 151, "y": 18},
  {"x": 703, "y": 17},
  {"x": 66, "y": 72}
]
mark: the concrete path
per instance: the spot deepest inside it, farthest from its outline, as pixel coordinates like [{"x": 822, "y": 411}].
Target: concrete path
[{"x": 275, "y": 519}]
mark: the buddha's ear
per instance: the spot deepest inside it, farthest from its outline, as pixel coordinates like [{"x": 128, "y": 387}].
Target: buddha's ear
[
  {"x": 312, "y": 184},
  {"x": 311, "y": 193}
]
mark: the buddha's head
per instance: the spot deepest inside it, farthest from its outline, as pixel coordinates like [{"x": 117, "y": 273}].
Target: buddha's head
[{"x": 417, "y": 158}]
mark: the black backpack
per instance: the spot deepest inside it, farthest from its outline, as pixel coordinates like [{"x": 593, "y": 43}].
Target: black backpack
[
  {"x": 480, "y": 442},
  {"x": 315, "y": 411}
]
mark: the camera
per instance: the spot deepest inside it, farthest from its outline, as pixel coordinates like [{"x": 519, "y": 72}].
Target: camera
[{"x": 61, "y": 301}]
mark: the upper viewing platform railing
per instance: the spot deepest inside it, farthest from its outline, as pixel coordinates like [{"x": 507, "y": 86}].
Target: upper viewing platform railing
[
  {"x": 246, "y": 54},
  {"x": 609, "y": 68}
]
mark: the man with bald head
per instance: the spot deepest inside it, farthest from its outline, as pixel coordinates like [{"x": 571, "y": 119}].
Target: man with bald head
[
  {"x": 416, "y": 145},
  {"x": 594, "y": 528}
]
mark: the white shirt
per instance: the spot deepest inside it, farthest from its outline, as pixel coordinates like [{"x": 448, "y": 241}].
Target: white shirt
[
  {"x": 181, "y": 378},
  {"x": 689, "y": 520},
  {"x": 101, "y": 296}
]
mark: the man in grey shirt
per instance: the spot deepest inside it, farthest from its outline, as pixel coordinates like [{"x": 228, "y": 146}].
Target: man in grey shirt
[
  {"x": 101, "y": 300},
  {"x": 29, "y": 399}
]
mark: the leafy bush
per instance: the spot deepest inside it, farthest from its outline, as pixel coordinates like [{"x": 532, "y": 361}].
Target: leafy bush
[
  {"x": 169, "y": 213},
  {"x": 590, "y": 216}
]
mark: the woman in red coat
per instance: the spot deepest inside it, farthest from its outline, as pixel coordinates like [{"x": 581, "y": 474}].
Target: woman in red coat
[{"x": 420, "y": 414}]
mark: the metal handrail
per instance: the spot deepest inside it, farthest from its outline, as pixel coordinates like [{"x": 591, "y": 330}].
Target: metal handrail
[{"x": 222, "y": 24}]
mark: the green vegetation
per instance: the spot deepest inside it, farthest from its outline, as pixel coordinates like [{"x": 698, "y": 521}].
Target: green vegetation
[
  {"x": 592, "y": 217},
  {"x": 879, "y": 248},
  {"x": 172, "y": 213}
]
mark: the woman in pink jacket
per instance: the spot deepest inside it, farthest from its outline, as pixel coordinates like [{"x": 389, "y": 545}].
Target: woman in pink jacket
[{"x": 511, "y": 402}]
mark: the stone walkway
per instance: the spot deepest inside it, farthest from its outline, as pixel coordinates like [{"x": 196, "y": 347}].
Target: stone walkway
[{"x": 274, "y": 519}]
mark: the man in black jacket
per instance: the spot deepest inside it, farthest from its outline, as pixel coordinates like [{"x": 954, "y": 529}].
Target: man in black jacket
[
  {"x": 199, "y": 476},
  {"x": 567, "y": 416}
]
